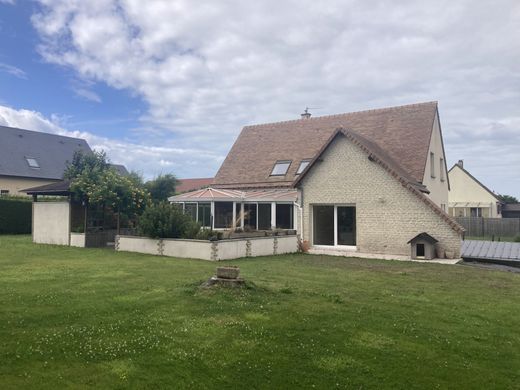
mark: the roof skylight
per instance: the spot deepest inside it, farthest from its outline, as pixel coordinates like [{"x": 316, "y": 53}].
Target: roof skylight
[
  {"x": 280, "y": 168},
  {"x": 33, "y": 163},
  {"x": 302, "y": 166}
]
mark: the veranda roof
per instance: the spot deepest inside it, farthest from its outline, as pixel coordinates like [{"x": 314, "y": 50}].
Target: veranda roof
[
  {"x": 470, "y": 204},
  {"x": 227, "y": 195}
]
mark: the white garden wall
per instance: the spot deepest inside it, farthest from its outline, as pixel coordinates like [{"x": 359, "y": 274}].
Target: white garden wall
[
  {"x": 77, "y": 239},
  {"x": 209, "y": 250},
  {"x": 51, "y": 223}
]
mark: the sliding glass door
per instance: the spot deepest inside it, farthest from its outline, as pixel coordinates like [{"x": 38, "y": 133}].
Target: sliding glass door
[
  {"x": 323, "y": 225},
  {"x": 334, "y": 225},
  {"x": 346, "y": 221}
]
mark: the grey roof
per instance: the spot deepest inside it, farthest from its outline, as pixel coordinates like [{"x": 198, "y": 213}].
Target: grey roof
[
  {"x": 511, "y": 207},
  {"x": 58, "y": 188},
  {"x": 491, "y": 250},
  {"x": 121, "y": 169},
  {"x": 52, "y": 152}
]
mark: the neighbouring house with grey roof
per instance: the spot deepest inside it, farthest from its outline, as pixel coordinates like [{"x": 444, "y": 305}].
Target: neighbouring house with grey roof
[{"x": 32, "y": 158}]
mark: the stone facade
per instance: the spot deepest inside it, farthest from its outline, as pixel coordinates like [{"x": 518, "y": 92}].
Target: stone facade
[{"x": 388, "y": 214}]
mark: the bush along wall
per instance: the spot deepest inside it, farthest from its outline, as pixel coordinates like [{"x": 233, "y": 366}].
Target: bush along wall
[{"x": 15, "y": 216}]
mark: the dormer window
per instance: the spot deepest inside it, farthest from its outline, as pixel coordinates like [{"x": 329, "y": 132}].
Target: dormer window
[
  {"x": 281, "y": 167},
  {"x": 33, "y": 163},
  {"x": 302, "y": 166}
]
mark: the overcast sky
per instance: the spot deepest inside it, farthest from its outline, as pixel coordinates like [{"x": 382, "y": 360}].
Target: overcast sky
[{"x": 166, "y": 86}]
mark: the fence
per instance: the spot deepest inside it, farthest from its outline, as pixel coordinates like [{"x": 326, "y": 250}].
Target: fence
[{"x": 487, "y": 227}]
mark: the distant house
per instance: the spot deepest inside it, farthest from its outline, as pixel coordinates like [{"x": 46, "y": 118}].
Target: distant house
[
  {"x": 186, "y": 185},
  {"x": 31, "y": 158},
  {"x": 511, "y": 210},
  {"x": 367, "y": 181},
  {"x": 468, "y": 197}
]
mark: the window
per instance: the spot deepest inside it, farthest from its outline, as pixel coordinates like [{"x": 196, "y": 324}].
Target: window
[
  {"x": 432, "y": 165},
  {"x": 204, "y": 214},
  {"x": 249, "y": 215},
  {"x": 223, "y": 215},
  {"x": 302, "y": 166},
  {"x": 280, "y": 168},
  {"x": 264, "y": 216},
  {"x": 191, "y": 210},
  {"x": 476, "y": 211},
  {"x": 441, "y": 168},
  {"x": 284, "y": 216},
  {"x": 4, "y": 192},
  {"x": 33, "y": 163}
]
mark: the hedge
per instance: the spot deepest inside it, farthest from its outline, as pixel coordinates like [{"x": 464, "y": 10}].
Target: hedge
[{"x": 15, "y": 216}]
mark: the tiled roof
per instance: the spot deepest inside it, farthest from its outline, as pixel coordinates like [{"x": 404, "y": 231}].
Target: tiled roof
[
  {"x": 51, "y": 152},
  {"x": 185, "y": 185},
  {"x": 403, "y": 132}
]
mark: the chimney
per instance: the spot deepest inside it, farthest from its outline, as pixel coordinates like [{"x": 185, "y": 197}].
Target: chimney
[
  {"x": 306, "y": 114},
  {"x": 461, "y": 163}
]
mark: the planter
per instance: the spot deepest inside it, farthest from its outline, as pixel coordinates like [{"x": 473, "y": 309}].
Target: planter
[
  {"x": 228, "y": 272},
  {"x": 247, "y": 234}
]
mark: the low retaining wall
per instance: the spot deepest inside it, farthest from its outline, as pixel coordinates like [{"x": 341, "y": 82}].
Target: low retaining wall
[
  {"x": 77, "y": 239},
  {"x": 209, "y": 250}
]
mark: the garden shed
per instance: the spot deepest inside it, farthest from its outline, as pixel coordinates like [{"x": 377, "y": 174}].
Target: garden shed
[{"x": 59, "y": 219}]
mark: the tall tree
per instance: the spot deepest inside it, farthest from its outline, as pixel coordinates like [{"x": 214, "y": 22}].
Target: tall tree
[
  {"x": 95, "y": 182},
  {"x": 508, "y": 198},
  {"x": 162, "y": 187}
]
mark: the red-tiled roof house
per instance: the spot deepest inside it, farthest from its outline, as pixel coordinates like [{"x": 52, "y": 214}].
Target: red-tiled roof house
[{"x": 366, "y": 181}]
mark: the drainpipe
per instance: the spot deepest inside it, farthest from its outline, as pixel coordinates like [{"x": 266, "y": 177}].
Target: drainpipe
[{"x": 301, "y": 219}]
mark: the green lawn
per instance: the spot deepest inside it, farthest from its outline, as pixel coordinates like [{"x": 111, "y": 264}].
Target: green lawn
[{"x": 80, "y": 318}]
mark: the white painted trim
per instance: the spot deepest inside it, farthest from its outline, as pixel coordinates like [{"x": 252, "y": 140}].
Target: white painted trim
[{"x": 273, "y": 215}]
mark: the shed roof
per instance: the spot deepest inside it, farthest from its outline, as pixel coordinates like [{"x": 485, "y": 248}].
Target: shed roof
[
  {"x": 404, "y": 133},
  {"x": 423, "y": 236},
  {"x": 59, "y": 188},
  {"x": 52, "y": 153}
]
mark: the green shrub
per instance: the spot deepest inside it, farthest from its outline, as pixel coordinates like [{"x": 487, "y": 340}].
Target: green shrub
[
  {"x": 208, "y": 234},
  {"x": 163, "y": 220},
  {"x": 15, "y": 215},
  {"x": 517, "y": 239}
]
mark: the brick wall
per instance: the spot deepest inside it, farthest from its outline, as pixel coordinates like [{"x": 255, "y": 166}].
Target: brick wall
[{"x": 388, "y": 215}]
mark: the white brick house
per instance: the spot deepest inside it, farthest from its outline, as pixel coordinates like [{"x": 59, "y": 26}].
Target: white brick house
[{"x": 367, "y": 181}]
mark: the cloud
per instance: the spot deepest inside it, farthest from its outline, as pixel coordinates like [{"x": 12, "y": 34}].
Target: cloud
[
  {"x": 206, "y": 70},
  {"x": 13, "y": 70},
  {"x": 87, "y": 94},
  {"x": 148, "y": 160}
]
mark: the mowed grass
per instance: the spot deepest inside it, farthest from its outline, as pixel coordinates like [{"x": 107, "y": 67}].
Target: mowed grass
[{"x": 89, "y": 318}]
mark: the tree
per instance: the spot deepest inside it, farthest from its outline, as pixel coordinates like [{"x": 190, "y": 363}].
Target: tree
[
  {"x": 95, "y": 182},
  {"x": 508, "y": 199},
  {"x": 162, "y": 187}
]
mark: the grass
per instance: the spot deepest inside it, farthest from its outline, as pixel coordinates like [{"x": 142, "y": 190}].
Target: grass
[{"x": 93, "y": 318}]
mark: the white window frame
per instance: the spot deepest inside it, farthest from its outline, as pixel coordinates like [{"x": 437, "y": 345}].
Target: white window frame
[
  {"x": 432, "y": 165},
  {"x": 280, "y": 162},
  {"x": 306, "y": 161},
  {"x": 336, "y": 205},
  {"x": 441, "y": 171}
]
